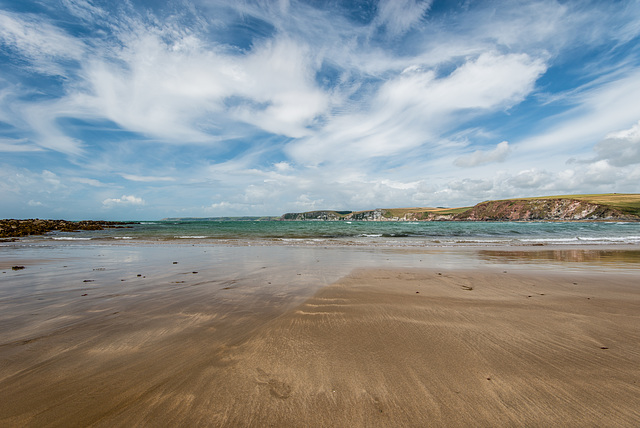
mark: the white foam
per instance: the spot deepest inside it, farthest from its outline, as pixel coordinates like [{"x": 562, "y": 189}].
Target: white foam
[
  {"x": 590, "y": 239},
  {"x": 549, "y": 239}
]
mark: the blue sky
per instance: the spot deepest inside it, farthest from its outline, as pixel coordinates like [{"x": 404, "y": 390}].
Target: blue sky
[{"x": 145, "y": 109}]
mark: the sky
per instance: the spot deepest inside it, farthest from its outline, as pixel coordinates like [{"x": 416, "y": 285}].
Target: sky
[{"x": 146, "y": 109}]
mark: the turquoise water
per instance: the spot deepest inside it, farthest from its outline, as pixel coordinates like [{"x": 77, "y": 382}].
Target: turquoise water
[{"x": 363, "y": 233}]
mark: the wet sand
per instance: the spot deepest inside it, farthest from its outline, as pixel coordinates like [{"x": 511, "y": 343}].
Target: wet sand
[{"x": 275, "y": 337}]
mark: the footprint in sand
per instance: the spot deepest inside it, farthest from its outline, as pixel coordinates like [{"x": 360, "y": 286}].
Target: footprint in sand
[{"x": 277, "y": 388}]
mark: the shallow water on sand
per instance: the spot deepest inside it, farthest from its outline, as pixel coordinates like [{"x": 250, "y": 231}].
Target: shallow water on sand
[{"x": 66, "y": 278}]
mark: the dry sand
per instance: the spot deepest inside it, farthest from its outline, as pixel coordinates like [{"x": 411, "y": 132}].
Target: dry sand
[{"x": 380, "y": 347}]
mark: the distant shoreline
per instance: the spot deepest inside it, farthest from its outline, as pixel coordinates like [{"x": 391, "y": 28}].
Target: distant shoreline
[{"x": 604, "y": 207}]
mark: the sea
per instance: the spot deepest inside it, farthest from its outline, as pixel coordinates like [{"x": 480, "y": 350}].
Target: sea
[{"x": 354, "y": 233}]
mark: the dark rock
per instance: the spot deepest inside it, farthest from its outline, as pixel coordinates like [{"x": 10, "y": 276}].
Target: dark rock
[{"x": 12, "y": 228}]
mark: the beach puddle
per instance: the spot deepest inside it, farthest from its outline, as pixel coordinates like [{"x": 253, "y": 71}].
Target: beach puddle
[{"x": 626, "y": 259}]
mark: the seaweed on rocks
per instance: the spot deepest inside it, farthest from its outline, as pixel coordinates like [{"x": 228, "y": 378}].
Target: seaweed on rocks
[{"x": 13, "y": 228}]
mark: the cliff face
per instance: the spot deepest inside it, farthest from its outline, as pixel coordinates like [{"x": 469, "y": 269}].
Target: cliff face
[
  {"x": 316, "y": 215},
  {"x": 388, "y": 215},
  {"x": 542, "y": 209}
]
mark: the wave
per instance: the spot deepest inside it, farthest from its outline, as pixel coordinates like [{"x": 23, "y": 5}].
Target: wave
[
  {"x": 626, "y": 239},
  {"x": 70, "y": 238}
]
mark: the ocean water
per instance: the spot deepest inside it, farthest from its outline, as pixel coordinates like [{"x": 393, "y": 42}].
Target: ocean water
[{"x": 389, "y": 234}]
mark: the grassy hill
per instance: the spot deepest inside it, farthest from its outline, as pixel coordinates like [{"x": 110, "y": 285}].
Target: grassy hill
[{"x": 628, "y": 203}]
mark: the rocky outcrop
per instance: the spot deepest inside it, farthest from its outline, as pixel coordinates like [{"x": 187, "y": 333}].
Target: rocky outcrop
[
  {"x": 316, "y": 215},
  {"x": 373, "y": 215},
  {"x": 15, "y": 228},
  {"x": 542, "y": 209}
]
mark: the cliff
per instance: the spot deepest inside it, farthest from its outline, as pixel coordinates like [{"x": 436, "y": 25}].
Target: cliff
[
  {"x": 622, "y": 207},
  {"x": 543, "y": 209}
]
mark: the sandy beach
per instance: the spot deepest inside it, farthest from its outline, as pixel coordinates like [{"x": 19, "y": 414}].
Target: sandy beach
[{"x": 278, "y": 336}]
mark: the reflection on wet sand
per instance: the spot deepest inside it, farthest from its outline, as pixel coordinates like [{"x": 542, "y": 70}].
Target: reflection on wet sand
[{"x": 597, "y": 257}]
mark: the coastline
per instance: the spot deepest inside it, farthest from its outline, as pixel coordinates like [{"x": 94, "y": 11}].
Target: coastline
[
  {"x": 361, "y": 234},
  {"x": 290, "y": 336}
]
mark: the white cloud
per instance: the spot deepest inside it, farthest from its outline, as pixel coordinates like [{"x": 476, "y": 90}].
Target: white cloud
[
  {"x": 155, "y": 90},
  {"x": 124, "y": 200},
  {"x": 39, "y": 41},
  {"x": 482, "y": 157},
  {"x": 472, "y": 186},
  {"x": 51, "y": 178},
  {"x": 282, "y": 166},
  {"x": 620, "y": 148},
  {"x": 531, "y": 179},
  {"x": 17, "y": 145},
  {"x": 145, "y": 179},
  {"x": 83, "y": 9},
  {"x": 185, "y": 90},
  {"x": 598, "y": 110},
  {"x": 398, "y": 16},
  {"x": 490, "y": 81},
  {"x": 42, "y": 120},
  {"x": 89, "y": 181},
  {"x": 280, "y": 76},
  {"x": 417, "y": 107}
]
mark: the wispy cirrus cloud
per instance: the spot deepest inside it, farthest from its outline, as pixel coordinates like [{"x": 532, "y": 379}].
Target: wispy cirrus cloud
[
  {"x": 43, "y": 44},
  {"x": 416, "y": 107},
  {"x": 17, "y": 145},
  {"x": 398, "y": 16}
]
